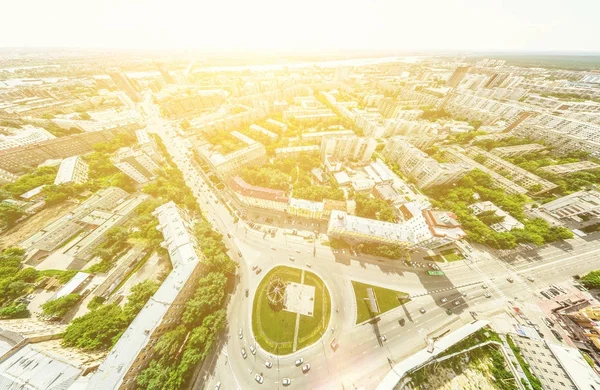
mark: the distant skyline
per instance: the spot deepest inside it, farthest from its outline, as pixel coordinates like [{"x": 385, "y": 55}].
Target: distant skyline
[{"x": 307, "y": 26}]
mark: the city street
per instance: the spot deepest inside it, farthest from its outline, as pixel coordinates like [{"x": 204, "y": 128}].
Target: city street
[{"x": 359, "y": 345}]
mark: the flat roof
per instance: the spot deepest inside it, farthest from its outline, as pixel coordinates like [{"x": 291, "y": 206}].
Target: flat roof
[
  {"x": 66, "y": 170},
  {"x": 181, "y": 248},
  {"x": 341, "y": 220},
  {"x": 393, "y": 377},
  {"x": 579, "y": 371},
  {"x": 71, "y": 285},
  {"x": 31, "y": 193},
  {"x": 32, "y": 369}
]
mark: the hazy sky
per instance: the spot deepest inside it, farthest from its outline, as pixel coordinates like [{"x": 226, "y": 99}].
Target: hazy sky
[{"x": 541, "y": 25}]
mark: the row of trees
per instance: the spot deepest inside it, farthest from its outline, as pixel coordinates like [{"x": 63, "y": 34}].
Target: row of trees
[
  {"x": 100, "y": 328},
  {"x": 456, "y": 198},
  {"x": 179, "y": 350}
]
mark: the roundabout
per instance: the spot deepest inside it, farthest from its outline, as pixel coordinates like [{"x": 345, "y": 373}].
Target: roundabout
[{"x": 291, "y": 310}]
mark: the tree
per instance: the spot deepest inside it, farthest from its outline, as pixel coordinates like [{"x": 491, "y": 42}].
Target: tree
[
  {"x": 169, "y": 343},
  {"x": 591, "y": 280},
  {"x": 9, "y": 214},
  {"x": 138, "y": 296},
  {"x": 155, "y": 376},
  {"x": 59, "y": 307},
  {"x": 97, "y": 330},
  {"x": 209, "y": 296}
]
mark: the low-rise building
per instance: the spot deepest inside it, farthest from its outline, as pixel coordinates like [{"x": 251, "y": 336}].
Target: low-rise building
[
  {"x": 266, "y": 198},
  {"x": 579, "y": 207},
  {"x": 136, "y": 164},
  {"x": 27, "y": 135},
  {"x": 55, "y": 234},
  {"x": 517, "y": 150},
  {"x": 281, "y": 126},
  {"x": 305, "y": 208},
  {"x": 72, "y": 170},
  {"x": 134, "y": 350},
  {"x": 556, "y": 366},
  {"x": 564, "y": 169},
  {"x": 419, "y": 228},
  {"x": 263, "y": 131},
  {"x": 253, "y": 154},
  {"x": 507, "y": 224},
  {"x": 7, "y": 177}
]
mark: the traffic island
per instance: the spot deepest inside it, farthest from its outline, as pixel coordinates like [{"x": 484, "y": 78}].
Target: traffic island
[
  {"x": 381, "y": 300},
  {"x": 290, "y": 311}
]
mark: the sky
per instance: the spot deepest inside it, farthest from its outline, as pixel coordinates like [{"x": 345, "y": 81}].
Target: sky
[{"x": 307, "y": 25}]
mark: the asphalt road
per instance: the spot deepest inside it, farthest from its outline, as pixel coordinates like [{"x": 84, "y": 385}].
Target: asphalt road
[{"x": 361, "y": 359}]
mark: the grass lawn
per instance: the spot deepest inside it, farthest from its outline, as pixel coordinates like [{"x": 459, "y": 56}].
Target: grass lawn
[
  {"x": 274, "y": 330},
  {"x": 386, "y": 298},
  {"x": 437, "y": 258},
  {"x": 452, "y": 255}
]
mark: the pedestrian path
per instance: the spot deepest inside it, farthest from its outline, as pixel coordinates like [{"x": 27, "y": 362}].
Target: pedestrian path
[{"x": 297, "y": 328}]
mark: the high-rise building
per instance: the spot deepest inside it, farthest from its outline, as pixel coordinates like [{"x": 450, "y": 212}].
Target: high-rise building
[
  {"x": 351, "y": 148},
  {"x": 458, "y": 76},
  {"x": 165, "y": 73},
  {"x": 126, "y": 85}
]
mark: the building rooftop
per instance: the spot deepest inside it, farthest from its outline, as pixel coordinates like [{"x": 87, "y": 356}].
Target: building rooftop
[
  {"x": 579, "y": 371},
  {"x": 306, "y": 204},
  {"x": 571, "y": 167},
  {"x": 32, "y": 369},
  {"x": 31, "y": 193},
  {"x": 239, "y": 185},
  {"x": 71, "y": 285},
  {"x": 181, "y": 247},
  {"x": 370, "y": 227},
  {"x": 66, "y": 170}
]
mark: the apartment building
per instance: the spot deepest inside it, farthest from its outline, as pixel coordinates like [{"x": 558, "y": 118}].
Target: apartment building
[
  {"x": 506, "y": 225},
  {"x": 417, "y": 165},
  {"x": 125, "y": 84},
  {"x": 562, "y": 133},
  {"x": 517, "y": 150},
  {"x": 281, "y": 126},
  {"x": 318, "y": 136},
  {"x": 352, "y": 148},
  {"x": 305, "y": 208},
  {"x": 556, "y": 366},
  {"x": 535, "y": 184},
  {"x": 296, "y": 151},
  {"x": 26, "y": 135},
  {"x": 574, "y": 206},
  {"x": 72, "y": 170},
  {"x": 458, "y": 155},
  {"x": 13, "y": 160},
  {"x": 555, "y": 104},
  {"x": 261, "y": 197},
  {"x": 254, "y": 153},
  {"x": 134, "y": 350},
  {"x": 419, "y": 228},
  {"x": 263, "y": 131},
  {"x": 7, "y": 177},
  {"x": 136, "y": 164},
  {"x": 459, "y": 74},
  {"x": 565, "y": 169}
]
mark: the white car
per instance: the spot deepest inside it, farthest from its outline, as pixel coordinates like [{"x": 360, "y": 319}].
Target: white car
[
  {"x": 292, "y": 258},
  {"x": 259, "y": 378},
  {"x": 252, "y": 350},
  {"x": 444, "y": 300},
  {"x": 299, "y": 362},
  {"x": 217, "y": 385},
  {"x": 297, "y": 250},
  {"x": 484, "y": 286},
  {"x": 306, "y": 368},
  {"x": 531, "y": 278},
  {"x": 244, "y": 354},
  {"x": 286, "y": 381},
  {"x": 272, "y": 248},
  {"x": 268, "y": 364},
  {"x": 487, "y": 295},
  {"x": 422, "y": 310},
  {"x": 241, "y": 333}
]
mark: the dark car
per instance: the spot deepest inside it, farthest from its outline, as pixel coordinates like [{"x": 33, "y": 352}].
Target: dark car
[
  {"x": 556, "y": 334},
  {"x": 401, "y": 321}
]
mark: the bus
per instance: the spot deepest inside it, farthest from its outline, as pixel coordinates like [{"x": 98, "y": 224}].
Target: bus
[{"x": 435, "y": 273}]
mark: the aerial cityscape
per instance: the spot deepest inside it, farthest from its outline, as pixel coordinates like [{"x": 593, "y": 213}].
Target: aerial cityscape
[{"x": 250, "y": 213}]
